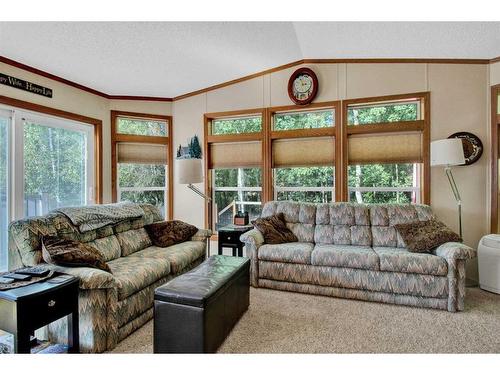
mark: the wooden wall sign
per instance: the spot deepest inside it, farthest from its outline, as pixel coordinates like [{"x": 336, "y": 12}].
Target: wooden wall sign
[{"x": 21, "y": 84}]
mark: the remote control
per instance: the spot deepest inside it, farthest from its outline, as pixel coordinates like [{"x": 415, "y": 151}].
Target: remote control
[
  {"x": 4, "y": 280},
  {"x": 15, "y": 276},
  {"x": 38, "y": 271}
]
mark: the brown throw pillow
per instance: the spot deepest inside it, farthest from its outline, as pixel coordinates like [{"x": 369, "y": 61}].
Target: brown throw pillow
[
  {"x": 168, "y": 233},
  {"x": 274, "y": 229},
  {"x": 423, "y": 236},
  {"x": 70, "y": 253}
]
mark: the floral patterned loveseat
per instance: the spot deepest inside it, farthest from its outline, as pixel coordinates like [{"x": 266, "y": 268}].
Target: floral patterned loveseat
[
  {"x": 111, "y": 306},
  {"x": 353, "y": 251}
]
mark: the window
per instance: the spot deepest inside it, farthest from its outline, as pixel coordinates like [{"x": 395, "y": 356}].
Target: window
[
  {"x": 54, "y": 161},
  {"x": 149, "y": 127},
  {"x": 142, "y": 163},
  {"x": 304, "y": 184},
  {"x": 322, "y": 118},
  {"x": 387, "y": 163},
  {"x": 383, "y": 112},
  {"x": 236, "y": 189},
  {"x": 57, "y": 168},
  {"x": 304, "y": 162},
  {"x": 5, "y": 118},
  {"x": 237, "y": 125},
  {"x": 384, "y": 183}
]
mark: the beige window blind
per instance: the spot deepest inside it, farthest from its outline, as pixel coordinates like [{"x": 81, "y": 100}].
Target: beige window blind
[
  {"x": 302, "y": 152},
  {"x": 385, "y": 148},
  {"x": 238, "y": 154},
  {"x": 141, "y": 153}
]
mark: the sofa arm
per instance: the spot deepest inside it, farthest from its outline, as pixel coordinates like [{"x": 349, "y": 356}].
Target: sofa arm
[
  {"x": 453, "y": 251},
  {"x": 202, "y": 235},
  {"x": 90, "y": 278},
  {"x": 253, "y": 239}
]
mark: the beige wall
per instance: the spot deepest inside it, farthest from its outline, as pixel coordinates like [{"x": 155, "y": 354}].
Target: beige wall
[
  {"x": 459, "y": 102},
  {"x": 495, "y": 74},
  {"x": 70, "y": 99}
]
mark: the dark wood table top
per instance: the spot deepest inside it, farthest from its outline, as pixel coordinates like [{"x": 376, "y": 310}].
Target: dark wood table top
[{"x": 36, "y": 289}]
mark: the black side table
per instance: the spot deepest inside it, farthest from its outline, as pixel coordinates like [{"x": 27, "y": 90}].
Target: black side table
[
  {"x": 229, "y": 236},
  {"x": 23, "y": 310}
]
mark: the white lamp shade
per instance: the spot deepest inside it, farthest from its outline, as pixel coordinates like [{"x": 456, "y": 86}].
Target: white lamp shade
[
  {"x": 189, "y": 171},
  {"x": 447, "y": 152}
]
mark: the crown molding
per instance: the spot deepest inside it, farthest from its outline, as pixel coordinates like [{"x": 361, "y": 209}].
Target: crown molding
[{"x": 54, "y": 77}]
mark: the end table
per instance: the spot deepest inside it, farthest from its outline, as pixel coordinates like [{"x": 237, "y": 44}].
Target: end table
[
  {"x": 25, "y": 309},
  {"x": 229, "y": 236}
]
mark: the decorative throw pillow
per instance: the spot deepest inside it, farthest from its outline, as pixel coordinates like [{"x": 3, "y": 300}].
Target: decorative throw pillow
[
  {"x": 70, "y": 253},
  {"x": 168, "y": 233},
  {"x": 274, "y": 229},
  {"x": 423, "y": 236}
]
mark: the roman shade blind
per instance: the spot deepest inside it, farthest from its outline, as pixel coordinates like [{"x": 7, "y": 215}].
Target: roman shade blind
[
  {"x": 237, "y": 154},
  {"x": 301, "y": 152},
  {"x": 141, "y": 153},
  {"x": 385, "y": 148}
]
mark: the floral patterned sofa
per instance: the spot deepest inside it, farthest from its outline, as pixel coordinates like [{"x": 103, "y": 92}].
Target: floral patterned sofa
[
  {"x": 353, "y": 251},
  {"x": 113, "y": 305}
]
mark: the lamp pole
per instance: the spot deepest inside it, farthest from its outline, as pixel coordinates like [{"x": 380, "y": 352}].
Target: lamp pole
[{"x": 456, "y": 193}]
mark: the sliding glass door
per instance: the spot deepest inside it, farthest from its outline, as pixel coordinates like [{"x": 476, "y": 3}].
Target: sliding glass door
[
  {"x": 5, "y": 120},
  {"x": 45, "y": 163}
]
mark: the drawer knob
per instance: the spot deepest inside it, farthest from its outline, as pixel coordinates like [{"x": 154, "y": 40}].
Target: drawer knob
[
  {"x": 51, "y": 303},
  {"x": 229, "y": 238}
]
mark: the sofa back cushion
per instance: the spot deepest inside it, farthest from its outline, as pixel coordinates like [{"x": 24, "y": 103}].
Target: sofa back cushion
[
  {"x": 342, "y": 224},
  {"x": 133, "y": 240},
  {"x": 25, "y": 236},
  {"x": 299, "y": 217},
  {"x": 384, "y": 217}
]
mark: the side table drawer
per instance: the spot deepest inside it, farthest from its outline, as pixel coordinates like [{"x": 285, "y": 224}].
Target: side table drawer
[
  {"x": 229, "y": 237},
  {"x": 44, "y": 308}
]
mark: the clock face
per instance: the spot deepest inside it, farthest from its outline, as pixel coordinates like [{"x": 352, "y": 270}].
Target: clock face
[{"x": 303, "y": 86}]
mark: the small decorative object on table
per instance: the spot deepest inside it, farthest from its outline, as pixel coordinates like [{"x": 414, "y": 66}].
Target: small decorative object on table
[
  {"x": 25, "y": 309},
  {"x": 241, "y": 218},
  {"x": 229, "y": 236}
]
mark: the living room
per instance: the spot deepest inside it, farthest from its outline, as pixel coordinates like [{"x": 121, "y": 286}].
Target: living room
[{"x": 325, "y": 187}]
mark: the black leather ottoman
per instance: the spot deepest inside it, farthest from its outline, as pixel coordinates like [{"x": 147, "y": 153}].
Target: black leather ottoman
[{"x": 195, "y": 312}]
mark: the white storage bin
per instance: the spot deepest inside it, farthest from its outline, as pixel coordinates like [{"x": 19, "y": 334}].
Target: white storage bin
[{"x": 488, "y": 254}]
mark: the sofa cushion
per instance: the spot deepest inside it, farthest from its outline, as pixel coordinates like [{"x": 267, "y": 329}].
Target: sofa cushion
[
  {"x": 179, "y": 255},
  {"x": 424, "y": 236},
  {"x": 395, "y": 259},
  {"x": 168, "y": 233},
  {"x": 71, "y": 253},
  {"x": 362, "y": 257},
  {"x": 133, "y": 240},
  {"x": 291, "y": 252},
  {"x": 133, "y": 274},
  {"x": 274, "y": 229},
  {"x": 109, "y": 247}
]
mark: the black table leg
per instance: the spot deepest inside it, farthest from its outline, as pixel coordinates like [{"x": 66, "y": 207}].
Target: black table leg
[
  {"x": 240, "y": 250},
  {"x": 73, "y": 333},
  {"x": 234, "y": 251},
  {"x": 219, "y": 249},
  {"x": 22, "y": 343}
]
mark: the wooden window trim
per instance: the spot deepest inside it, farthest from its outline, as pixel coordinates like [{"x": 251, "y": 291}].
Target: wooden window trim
[
  {"x": 303, "y": 133},
  {"x": 96, "y": 123},
  {"x": 495, "y": 124},
  {"x": 422, "y": 125},
  {"x": 226, "y": 138},
  {"x": 167, "y": 141}
]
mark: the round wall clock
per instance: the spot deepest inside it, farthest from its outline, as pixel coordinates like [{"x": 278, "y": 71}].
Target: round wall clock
[
  {"x": 473, "y": 147},
  {"x": 303, "y": 86}
]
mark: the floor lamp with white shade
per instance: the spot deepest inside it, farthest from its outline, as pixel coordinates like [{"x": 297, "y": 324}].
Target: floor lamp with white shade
[
  {"x": 189, "y": 172},
  {"x": 448, "y": 153}
]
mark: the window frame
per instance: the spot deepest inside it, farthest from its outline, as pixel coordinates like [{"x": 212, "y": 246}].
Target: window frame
[
  {"x": 422, "y": 125},
  {"x": 12, "y": 104},
  {"x": 144, "y": 139}
]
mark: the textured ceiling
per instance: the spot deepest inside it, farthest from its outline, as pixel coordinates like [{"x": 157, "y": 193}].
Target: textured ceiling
[{"x": 172, "y": 58}]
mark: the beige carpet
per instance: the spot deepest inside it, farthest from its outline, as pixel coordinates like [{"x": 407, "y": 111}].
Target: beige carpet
[{"x": 283, "y": 322}]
